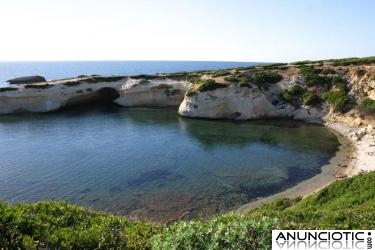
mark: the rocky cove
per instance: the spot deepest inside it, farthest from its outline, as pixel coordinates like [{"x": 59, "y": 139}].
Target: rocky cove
[{"x": 262, "y": 92}]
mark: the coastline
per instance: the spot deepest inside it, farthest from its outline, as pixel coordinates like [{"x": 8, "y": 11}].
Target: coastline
[{"x": 356, "y": 153}]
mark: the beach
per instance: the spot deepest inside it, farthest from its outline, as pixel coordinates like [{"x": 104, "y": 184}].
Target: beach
[{"x": 356, "y": 154}]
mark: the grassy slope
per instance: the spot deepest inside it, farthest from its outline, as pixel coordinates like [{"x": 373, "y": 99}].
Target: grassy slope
[{"x": 345, "y": 204}]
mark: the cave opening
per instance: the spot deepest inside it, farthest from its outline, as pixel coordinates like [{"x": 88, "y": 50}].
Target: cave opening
[{"x": 104, "y": 96}]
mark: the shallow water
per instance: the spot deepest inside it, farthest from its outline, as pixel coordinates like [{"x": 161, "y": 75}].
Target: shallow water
[{"x": 151, "y": 163}]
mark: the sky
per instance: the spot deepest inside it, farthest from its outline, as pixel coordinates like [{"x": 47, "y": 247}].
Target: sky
[{"x": 203, "y": 30}]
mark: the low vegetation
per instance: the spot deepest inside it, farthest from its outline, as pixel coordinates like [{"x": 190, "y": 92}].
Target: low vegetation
[
  {"x": 38, "y": 86},
  {"x": 345, "y": 204},
  {"x": 274, "y": 65},
  {"x": 353, "y": 61},
  {"x": 203, "y": 85},
  {"x": 368, "y": 105},
  {"x": 220, "y": 72},
  {"x": 5, "y": 89},
  {"x": 266, "y": 77},
  {"x": 311, "y": 99},
  {"x": 293, "y": 95},
  {"x": 59, "y": 225},
  {"x": 72, "y": 83},
  {"x": 261, "y": 78},
  {"x": 104, "y": 79},
  {"x": 209, "y": 84},
  {"x": 230, "y": 231},
  {"x": 146, "y": 77},
  {"x": 340, "y": 100},
  {"x": 312, "y": 76}
]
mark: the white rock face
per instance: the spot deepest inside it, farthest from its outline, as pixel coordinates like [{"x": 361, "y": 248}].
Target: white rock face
[
  {"x": 131, "y": 93},
  {"x": 243, "y": 104},
  {"x": 152, "y": 93}
]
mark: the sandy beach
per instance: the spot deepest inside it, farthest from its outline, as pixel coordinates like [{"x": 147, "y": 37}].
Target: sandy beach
[{"x": 356, "y": 155}]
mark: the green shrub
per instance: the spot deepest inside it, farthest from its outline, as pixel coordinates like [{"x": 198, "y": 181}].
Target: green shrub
[
  {"x": 146, "y": 77},
  {"x": 192, "y": 77},
  {"x": 104, "y": 79},
  {"x": 5, "y": 89},
  {"x": 273, "y": 65},
  {"x": 340, "y": 100},
  {"x": 360, "y": 72},
  {"x": 345, "y": 204},
  {"x": 230, "y": 231},
  {"x": 264, "y": 77},
  {"x": 353, "y": 61},
  {"x": 177, "y": 75},
  {"x": 71, "y": 83},
  {"x": 312, "y": 76},
  {"x": 244, "y": 83},
  {"x": 209, "y": 84},
  {"x": 311, "y": 99},
  {"x": 59, "y": 225},
  {"x": 328, "y": 71},
  {"x": 368, "y": 105},
  {"x": 143, "y": 82},
  {"x": 293, "y": 95},
  {"x": 162, "y": 86},
  {"x": 39, "y": 86},
  {"x": 190, "y": 92},
  {"x": 220, "y": 72},
  {"x": 234, "y": 78}
]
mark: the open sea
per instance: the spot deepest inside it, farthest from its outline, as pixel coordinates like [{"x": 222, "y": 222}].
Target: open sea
[{"x": 66, "y": 69}]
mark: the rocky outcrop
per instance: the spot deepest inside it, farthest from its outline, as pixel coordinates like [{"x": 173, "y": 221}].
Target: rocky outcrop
[
  {"x": 247, "y": 103},
  {"x": 125, "y": 91},
  {"x": 152, "y": 93}
]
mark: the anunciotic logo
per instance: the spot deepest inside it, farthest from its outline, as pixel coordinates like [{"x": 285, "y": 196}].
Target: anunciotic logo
[{"x": 323, "y": 239}]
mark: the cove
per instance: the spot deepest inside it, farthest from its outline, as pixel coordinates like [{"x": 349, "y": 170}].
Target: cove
[{"x": 150, "y": 163}]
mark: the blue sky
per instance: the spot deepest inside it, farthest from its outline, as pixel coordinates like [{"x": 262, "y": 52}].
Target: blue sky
[{"x": 237, "y": 30}]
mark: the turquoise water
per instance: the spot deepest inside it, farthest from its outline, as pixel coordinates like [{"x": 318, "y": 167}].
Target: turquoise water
[
  {"x": 59, "y": 70},
  {"x": 151, "y": 163}
]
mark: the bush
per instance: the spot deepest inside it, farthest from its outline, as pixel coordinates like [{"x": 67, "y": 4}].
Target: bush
[
  {"x": 146, "y": 77},
  {"x": 345, "y": 204},
  {"x": 190, "y": 92},
  {"x": 59, "y": 225},
  {"x": 312, "y": 76},
  {"x": 360, "y": 72},
  {"x": 230, "y": 231},
  {"x": 209, "y": 84},
  {"x": 104, "y": 79},
  {"x": 235, "y": 78},
  {"x": 273, "y": 65},
  {"x": 293, "y": 95},
  {"x": 177, "y": 75},
  {"x": 353, "y": 61},
  {"x": 5, "y": 89},
  {"x": 368, "y": 105},
  {"x": 244, "y": 83},
  {"x": 264, "y": 77},
  {"x": 71, "y": 83},
  {"x": 340, "y": 100},
  {"x": 220, "y": 72},
  {"x": 311, "y": 99},
  {"x": 39, "y": 86}
]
